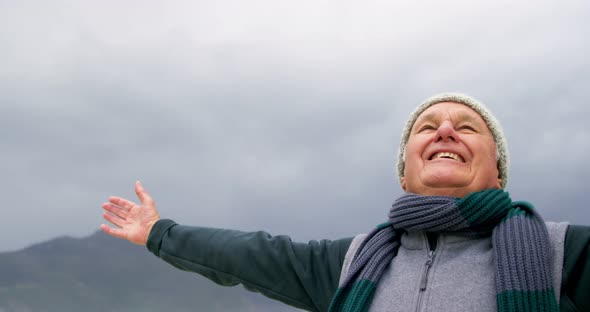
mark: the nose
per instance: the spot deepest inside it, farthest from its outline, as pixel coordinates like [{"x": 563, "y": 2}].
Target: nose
[{"x": 446, "y": 133}]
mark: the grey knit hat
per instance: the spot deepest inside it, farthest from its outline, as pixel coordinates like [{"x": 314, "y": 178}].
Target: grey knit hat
[{"x": 486, "y": 115}]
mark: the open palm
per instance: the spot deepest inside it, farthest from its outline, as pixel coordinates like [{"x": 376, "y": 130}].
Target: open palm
[{"x": 132, "y": 222}]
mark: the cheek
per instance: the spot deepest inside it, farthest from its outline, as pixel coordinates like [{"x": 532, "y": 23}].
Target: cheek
[
  {"x": 415, "y": 147},
  {"x": 491, "y": 156},
  {"x": 413, "y": 156},
  {"x": 411, "y": 162},
  {"x": 412, "y": 168},
  {"x": 489, "y": 162}
]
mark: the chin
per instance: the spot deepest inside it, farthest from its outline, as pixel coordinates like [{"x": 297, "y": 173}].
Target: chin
[
  {"x": 444, "y": 191},
  {"x": 439, "y": 188},
  {"x": 445, "y": 179}
]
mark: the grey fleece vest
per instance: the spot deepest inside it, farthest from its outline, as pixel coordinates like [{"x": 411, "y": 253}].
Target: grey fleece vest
[{"x": 461, "y": 277}]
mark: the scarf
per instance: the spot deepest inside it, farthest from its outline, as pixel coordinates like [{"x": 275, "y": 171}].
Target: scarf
[{"x": 520, "y": 240}]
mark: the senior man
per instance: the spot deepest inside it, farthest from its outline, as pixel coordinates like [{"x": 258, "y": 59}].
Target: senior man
[{"x": 455, "y": 241}]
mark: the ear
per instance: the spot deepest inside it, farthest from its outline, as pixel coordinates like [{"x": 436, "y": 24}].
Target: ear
[
  {"x": 499, "y": 184},
  {"x": 403, "y": 183}
]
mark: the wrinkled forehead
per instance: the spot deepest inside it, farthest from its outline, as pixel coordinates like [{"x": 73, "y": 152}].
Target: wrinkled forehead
[{"x": 456, "y": 112}]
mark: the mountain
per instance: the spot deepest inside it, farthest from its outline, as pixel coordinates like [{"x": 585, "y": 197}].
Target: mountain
[{"x": 100, "y": 273}]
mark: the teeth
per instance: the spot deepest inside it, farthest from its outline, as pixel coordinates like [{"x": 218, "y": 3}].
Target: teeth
[{"x": 448, "y": 155}]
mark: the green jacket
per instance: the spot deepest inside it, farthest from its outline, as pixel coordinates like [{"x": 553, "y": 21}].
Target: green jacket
[{"x": 306, "y": 275}]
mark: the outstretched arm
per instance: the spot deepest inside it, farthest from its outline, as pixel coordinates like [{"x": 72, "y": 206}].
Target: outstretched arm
[
  {"x": 132, "y": 222},
  {"x": 302, "y": 275}
]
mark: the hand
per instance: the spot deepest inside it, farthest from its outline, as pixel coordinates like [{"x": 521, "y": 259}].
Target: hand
[{"x": 132, "y": 222}]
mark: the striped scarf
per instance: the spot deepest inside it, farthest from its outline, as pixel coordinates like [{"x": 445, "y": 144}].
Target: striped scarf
[{"x": 520, "y": 240}]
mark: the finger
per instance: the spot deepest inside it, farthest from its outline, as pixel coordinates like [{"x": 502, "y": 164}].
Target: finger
[
  {"x": 116, "y": 210},
  {"x": 122, "y": 202},
  {"x": 118, "y": 233},
  {"x": 143, "y": 196},
  {"x": 113, "y": 219}
]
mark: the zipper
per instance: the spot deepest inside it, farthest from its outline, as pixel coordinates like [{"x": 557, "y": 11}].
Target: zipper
[
  {"x": 424, "y": 277},
  {"x": 427, "y": 266}
]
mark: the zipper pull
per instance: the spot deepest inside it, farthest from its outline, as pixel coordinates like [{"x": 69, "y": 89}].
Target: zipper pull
[{"x": 427, "y": 266}]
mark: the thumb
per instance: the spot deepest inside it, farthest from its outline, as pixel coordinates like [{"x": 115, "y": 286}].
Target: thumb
[{"x": 143, "y": 196}]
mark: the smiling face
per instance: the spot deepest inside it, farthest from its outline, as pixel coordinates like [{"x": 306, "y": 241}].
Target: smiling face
[{"x": 450, "y": 151}]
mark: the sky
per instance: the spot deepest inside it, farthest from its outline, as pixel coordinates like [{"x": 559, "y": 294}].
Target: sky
[{"x": 283, "y": 116}]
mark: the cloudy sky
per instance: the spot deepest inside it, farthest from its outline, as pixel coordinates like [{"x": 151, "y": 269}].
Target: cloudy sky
[{"x": 275, "y": 115}]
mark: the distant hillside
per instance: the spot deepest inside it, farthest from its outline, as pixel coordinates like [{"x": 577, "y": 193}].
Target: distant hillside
[{"x": 100, "y": 273}]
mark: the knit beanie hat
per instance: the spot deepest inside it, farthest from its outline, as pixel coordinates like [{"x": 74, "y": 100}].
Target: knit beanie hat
[{"x": 493, "y": 124}]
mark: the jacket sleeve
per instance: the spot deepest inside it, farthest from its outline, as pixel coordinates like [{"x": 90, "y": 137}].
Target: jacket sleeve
[
  {"x": 303, "y": 275},
  {"x": 575, "y": 283}
]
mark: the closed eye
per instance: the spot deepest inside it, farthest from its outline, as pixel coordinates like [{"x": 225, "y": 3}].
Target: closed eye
[
  {"x": 426, "y": 127},
  {"x": 467, "y": 127}
]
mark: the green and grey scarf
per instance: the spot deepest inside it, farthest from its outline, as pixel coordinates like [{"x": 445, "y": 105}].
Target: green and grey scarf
[{"x": 520, "y": 240}]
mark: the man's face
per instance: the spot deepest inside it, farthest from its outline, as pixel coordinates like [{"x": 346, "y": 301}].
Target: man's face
[{"x": 450, "y": 151}]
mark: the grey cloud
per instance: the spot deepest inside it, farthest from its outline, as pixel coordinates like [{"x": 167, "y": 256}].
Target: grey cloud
[{"x": 237, "y": 118}]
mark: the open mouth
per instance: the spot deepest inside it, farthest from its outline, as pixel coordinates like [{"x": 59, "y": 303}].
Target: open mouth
[{"x": 447, "y": 155}]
